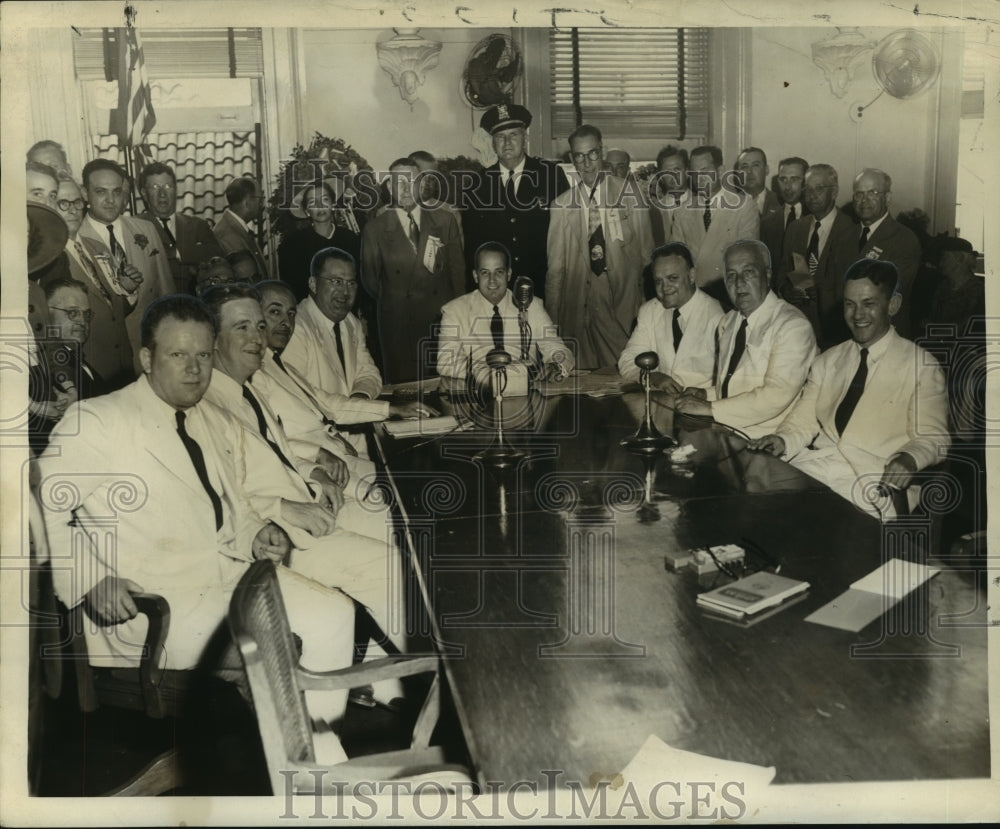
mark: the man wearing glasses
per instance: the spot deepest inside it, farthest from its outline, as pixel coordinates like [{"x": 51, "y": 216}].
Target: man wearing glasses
[
  {"x": 108, "y": 348},
  {"x": 879, "y": 236},
  {"x": 806, "y": 276},
  {"x": 188, "y": 240},
  {"x": 328, "y": 346},
  {"x": 599, "y": 242}
]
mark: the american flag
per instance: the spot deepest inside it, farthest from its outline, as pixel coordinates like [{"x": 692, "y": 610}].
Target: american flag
[{"x": 134, "y": 118}]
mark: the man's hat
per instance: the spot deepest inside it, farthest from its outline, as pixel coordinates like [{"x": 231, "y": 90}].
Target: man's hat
[
  {"x": 47, "y": 235},
  {"x": 505, "y": 116}
]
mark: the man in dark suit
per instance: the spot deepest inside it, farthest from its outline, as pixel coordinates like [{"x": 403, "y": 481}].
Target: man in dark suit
[
  {"x": 751, "y": 164},
  {"x": 880, "y": 236},
  {"x": 510, "y": 203},
  {"x": 187, "y": 240},
  {"x": 791, "y": 178},
  {"x": 809, "y": 257},
  {"x": 232, "y": 231}
]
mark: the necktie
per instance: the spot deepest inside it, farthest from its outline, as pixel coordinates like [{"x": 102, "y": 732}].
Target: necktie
[
  {"x": 496, "y": 327},
  {"x": 738, "y": 348},
  {"x": 854, "y": 391},
  {"x": 198, "y": 459},
  {"x": 708, "y": 215},
  {"x": 790, "y": 217},
  {"x": 414, "y": 232},
  {"x": 864, "y": 239},
  {"x": 812, "y": 252},
  {"x": 596, "y": 233},
  {"x": 340, "y": 347},
  {"x": 675, "y": 324},
  {"x": 88, "y": 268},
  {"x": 262, "y": 428},
  {"x": 170, "y": 236},
  {"x": 117, "y": 251},
  {"x": 510, "y": 192}
]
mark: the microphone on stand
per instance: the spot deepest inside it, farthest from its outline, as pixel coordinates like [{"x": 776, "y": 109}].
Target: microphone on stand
[
  {"x": 647, "y": 438},
  {"x": 524, "y": 292},
  {"x": 500, "y": 454}
]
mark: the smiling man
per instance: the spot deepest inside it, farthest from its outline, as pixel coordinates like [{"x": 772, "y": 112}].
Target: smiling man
[
  {"x": 874, "y": 407},
  {"x": 486, "y": 318},
  {"x": 678, "y": 324},
  {"x": 764, "y": 347}
]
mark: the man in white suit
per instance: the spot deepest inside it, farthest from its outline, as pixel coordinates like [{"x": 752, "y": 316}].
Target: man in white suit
[
  {"x": 679, "y": 325},
  {"x": 719, "y": 215},
  {"x": 128, "y": 248},
  {"x": 169, "y": 468},
  {"x": 763, "y": 350},
  {"x": 599, "y": 241},
  {"x": 875, "y": 408}
]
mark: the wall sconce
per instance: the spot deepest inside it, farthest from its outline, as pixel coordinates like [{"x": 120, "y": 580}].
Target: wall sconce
[
  {"x": 839, "y": 57},
  {"x": 407, "y": 57}
]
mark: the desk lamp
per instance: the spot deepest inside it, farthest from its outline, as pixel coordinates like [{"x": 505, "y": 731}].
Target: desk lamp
[{"x": 647, "y": 438}]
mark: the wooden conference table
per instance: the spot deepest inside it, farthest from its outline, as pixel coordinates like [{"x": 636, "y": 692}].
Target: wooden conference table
[{"x": 567, "y": 642}]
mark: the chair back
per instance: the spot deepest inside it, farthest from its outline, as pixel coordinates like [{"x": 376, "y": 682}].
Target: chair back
[{"x": 259, "y": 625}]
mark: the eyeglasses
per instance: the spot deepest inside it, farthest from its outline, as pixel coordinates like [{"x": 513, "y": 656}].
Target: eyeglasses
[
  {"x": 65, "y": 204},
  {"x": 162, "y": 188},
  {"x": 859, "y": 195},
  {"x": 590, "y": 155},
  {"x": 339, "y": 284},
  {"x": 816, "y": 189},
  {"x": 75, "y": 314}
]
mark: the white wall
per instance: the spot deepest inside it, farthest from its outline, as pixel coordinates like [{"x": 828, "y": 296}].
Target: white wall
[
  {"x": 793, "y": 112},
  {"x": 351, "y": 97}
]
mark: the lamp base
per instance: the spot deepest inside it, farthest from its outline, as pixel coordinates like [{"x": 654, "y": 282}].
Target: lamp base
[
  {"x": 647, "y": 440},
  {"x": 500, "y": 455}
]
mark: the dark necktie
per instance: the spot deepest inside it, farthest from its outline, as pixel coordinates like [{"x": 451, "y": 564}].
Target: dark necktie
[
  {"x": 170, "y": 236},
  {"x": 510, "y": 192},
  {"x": 708, "y": 215},
  {"x": 598, "y": 264},
  {"x": 854, "y": 392},
  {"x": 812, "y": 252},
  {"x": 198, "y": 459},
  {"x": 262, "y": 428},
  {"x": 496, "y": 327},
  {"x": 738, "y": 348},
  {"x": 864, "y": 239},
  {"x": 340, "y": 347},
  {"x": 791, "y": 216},
  {"x": 117, "y": 251},
  {"x": 414, "y": 232},
  {"x": 675, "y": 324}
]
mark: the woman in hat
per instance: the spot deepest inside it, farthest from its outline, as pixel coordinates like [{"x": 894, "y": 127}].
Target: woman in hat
[{"x": 316, "y": 203}]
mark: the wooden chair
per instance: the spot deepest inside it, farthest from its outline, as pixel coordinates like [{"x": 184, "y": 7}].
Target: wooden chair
[{"x": 260, "y": 628}]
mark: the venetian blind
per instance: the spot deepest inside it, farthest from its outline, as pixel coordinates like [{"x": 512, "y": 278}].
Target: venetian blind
[
  {"x": 630, "y": 83},
  {"x": 173, "y": 53}
]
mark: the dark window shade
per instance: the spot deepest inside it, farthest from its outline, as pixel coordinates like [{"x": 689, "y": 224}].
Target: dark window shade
[
  {"x": 636, "y": 83},
  {"x": 173, "y": 53}
]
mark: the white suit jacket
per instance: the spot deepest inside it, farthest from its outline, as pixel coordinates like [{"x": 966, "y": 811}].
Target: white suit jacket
[
  {"x": 692, "y": 363},
  {"x": 780, "y": 347},
  {"x": 734, "y": 217},
  {"x": 118, "y": 464},
  {"x": 312, "y": 351},
  {"x": 465, "y": 328},
  {"x": 904, "y": 408}
]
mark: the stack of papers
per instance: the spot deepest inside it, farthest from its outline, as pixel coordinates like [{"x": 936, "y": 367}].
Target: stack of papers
[
  {"x": 421, "y": 426},
  {"x": 751, "y": 594}
]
